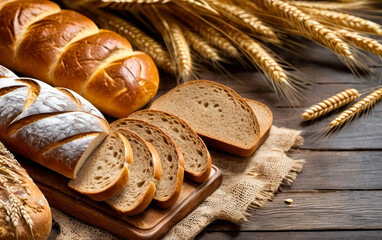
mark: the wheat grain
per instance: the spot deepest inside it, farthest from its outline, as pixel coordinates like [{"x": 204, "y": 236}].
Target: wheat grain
[
  {"x": 363, "y": 42},
  {"x": 330, "y": 104},
  {"x": 138, "y": 38},
  {"x": 308, "y": 26},
  {"x": 201, "y": 46},
  {"x": 356, "y": 109},
  {"x": 346, "y": 20},
  {"x": 250, "y": 21}
]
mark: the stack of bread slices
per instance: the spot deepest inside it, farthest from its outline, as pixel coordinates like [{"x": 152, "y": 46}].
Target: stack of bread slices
[{"x": 133, "y": 161}]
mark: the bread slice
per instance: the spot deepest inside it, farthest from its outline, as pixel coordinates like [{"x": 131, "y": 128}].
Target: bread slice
[
  {"x": 264, "y": 116},
  {"x": 171, "y": 157},
  {"x": 144, "y": 174},
  {"x": 217, "y": 113},
  {"x": 196, "y": 156},
  {"x": 105, "y": 172}
]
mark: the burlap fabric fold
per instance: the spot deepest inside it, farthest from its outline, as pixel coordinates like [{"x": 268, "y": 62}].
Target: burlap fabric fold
[{"x": 248, "y": 183}]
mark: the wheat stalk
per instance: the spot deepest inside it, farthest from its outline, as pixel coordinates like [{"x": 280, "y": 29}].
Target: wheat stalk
[
  {"x": 250, "y": 21},
  {"x": 363, "y": 42},
  {"x": 346, "y": 20},
  {"x": 330, "y": 104},
  {"x": 308, "y": 26},
  {"x": 355, "y": 110},
  {"x": 201, "y": 46}
]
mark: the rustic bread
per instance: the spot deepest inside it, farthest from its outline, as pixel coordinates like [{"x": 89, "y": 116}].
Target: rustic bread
[
  {"x": 24, "y": 211},
  {"x": 264, "y": 116},
  {"x": 105, "y": 172},
  {"x": 171, "y": 157},
  {"x": 196, "y": 156},
  {"x": 66, "y": 49},
  {"x": 217, "y": 113},
  {"x": 145, "y": 174},
  {"x": 46, "y": 125}
]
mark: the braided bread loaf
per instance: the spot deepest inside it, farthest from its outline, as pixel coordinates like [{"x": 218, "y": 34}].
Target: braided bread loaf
[
  {"x": 52, "y": 126},
  {"x": 66, "y": 49}
]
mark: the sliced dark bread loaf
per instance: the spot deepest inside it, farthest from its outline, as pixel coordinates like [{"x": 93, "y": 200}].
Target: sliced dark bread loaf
[
  {"x": 264, "y": 117},
  {"x": 217, "y": 113},
  {"x": 196, "y": 156},
  {"x": 144, "y": 174},
  {"x": 171, "y": 157},
  {"x": 105, "y": 172}
]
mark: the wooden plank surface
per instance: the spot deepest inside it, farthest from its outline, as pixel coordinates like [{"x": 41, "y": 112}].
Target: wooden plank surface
[
  {"x": 345, "y": 170},
  {"x": 302, "y": 235},
  {"x": 316, "y": 210}
]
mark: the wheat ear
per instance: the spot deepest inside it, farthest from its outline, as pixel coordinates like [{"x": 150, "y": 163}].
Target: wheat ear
[
  {"x": 311, "y": 28},
  {"x": 135, "y": 36},
  {"x": 355, "y": 110},
  {"x": 266, "y": 63},
  {"x": 363, "y": 42},
  {"x": 346, "y": 20},
  {"x": 201, "y": 46},
  {"x": 172, "y": 32},
  {"x": 246, "y": 19},
  {"x": 330, "y": 104}
]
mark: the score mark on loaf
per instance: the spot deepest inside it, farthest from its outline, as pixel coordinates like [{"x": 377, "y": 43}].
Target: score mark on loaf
[{"x": 66, "y": 49}]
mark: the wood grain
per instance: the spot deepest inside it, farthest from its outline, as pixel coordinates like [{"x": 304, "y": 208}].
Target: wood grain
[
  {"x": 338, "y": 210},
  {"x": 304, "y": 235},
  {"x": 348, "y": 170}
]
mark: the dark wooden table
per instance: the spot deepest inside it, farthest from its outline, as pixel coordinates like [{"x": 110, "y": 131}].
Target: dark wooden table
[{"x": 339, "y": 193}]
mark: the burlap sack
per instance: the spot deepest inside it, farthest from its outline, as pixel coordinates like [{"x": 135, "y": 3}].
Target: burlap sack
[{"x": 248, "y": 183}]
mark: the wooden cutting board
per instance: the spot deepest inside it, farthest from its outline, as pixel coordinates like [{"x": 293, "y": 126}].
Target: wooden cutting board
[{"x": 153, "y": 223}]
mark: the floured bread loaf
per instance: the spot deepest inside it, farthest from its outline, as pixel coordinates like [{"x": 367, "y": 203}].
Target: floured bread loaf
[
  {"x": 145, "y": 174},
  {"x": 196, "y": 156}
]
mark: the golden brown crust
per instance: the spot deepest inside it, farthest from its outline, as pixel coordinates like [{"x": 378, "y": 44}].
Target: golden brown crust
[
  {"x": 173, "y": 197},
  {"x": 111, "y": 190},
  {"x": 204, "y": 175},
  {"x": 90, "y": 53},
  {"x": 125, "y": 85},
  {"x": 156, "y": 162},
  {"x": 264, "y": 133},
  {"x": 43, "y": 42},
  {"x": 32, "y": 200},
  {"x": 14, "y": 18}
]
